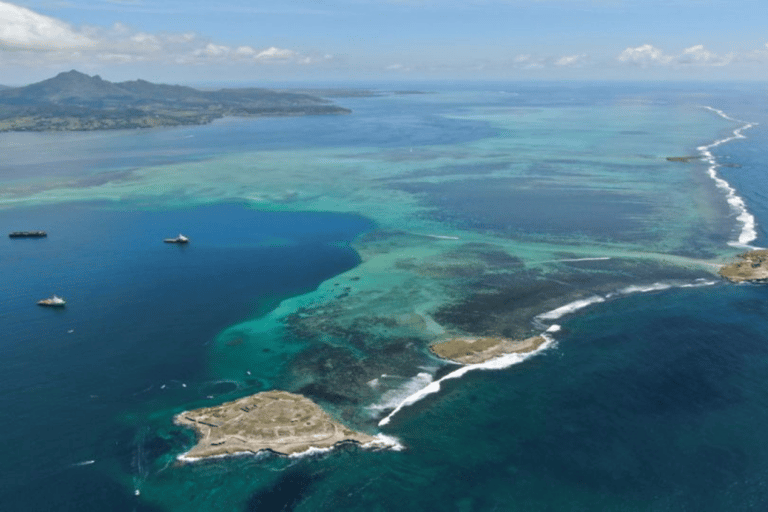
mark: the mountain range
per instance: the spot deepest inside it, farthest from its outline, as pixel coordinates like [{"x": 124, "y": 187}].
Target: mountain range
[{"x": 76, "y": 101}]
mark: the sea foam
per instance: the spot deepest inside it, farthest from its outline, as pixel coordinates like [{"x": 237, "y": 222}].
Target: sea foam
[
  {"x": 422, "y": 384},
  {"x": 572, "y": 307},
  {"x": 498, "y": 363},
  {"x": 569, "y": 308},
  {"x": 394, "y": 397},
  {"x": 748, "y": 225}
]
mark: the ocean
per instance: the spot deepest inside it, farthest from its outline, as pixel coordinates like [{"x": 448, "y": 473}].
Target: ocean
[{"x": 328, "y": 252}]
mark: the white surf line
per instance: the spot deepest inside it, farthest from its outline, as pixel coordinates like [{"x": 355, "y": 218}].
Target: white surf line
[
  {"x": 600, "y": 258},
  {"x": 396, "y": 396},
  {"x": 507, "y": 360},
  {"x": 540, "y": 321},
  {"x": 567, "y": 260},
  {"x": 504, "y": 361},
  {"x": 569, "y": 308},
  {"x": 379, "y": 442},
  {"x": 748, "y": 231},
  {"x": 440, "y": 237}
]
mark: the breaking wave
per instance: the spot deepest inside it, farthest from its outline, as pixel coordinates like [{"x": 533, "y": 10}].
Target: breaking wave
[
  {"x": 572, "y": 307},
  {"x": 498, "y": 363},
  {"x": 748, "y": 231},
  {"x": 394, "y": 397}
]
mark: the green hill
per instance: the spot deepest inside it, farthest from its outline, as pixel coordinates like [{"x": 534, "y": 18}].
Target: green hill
[{"x": 76, "y": 101}]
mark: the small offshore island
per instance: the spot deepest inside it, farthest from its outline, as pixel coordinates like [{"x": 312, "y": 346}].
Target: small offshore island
[
  {"x": 753, "y": 266},
  {"x": 74, "y": 101},
  {"x": 475, "y": 350},
  {"x": 282, "y": 422}
]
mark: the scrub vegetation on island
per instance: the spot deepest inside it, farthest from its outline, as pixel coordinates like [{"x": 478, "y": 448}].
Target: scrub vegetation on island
[{"x": 277, "y": 421}]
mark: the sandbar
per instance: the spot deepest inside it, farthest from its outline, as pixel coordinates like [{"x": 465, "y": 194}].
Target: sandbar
[
  {"x": 474, "y": 350},
  {"x": 753, "y": 266},
  {"x": 282, "y": 422}
]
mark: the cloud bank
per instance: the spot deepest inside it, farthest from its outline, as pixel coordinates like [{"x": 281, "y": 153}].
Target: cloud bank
[
  {"x": 31, "y": 39},
  {"x": 648, "y": 55},
  {"x": 22, "y": 29}
]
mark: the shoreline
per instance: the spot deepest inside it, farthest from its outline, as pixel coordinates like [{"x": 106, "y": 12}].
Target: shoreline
[
  {"x": 479, "y": 349},
  {"x": 497, "y": 363},
  {"x": 380, "y": 442},
  {"x": 752, "y": 266},
  {"x": 270, "y": 421}
]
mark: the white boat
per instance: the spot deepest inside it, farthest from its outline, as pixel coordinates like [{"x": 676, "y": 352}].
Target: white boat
[
  {"x": 54, "y": 301},
  {"x": 181, "y": 239}
]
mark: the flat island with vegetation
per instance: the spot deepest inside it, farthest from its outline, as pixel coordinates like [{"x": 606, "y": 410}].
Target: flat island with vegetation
[
  {"x": 75, "y": 101},
  {"x": 751, "y": 266},
  {"x": 278, "y": 421},
  {"x": 474, "y": 350}
]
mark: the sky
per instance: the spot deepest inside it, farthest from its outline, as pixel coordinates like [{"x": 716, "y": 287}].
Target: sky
[{"x": 247, "y": 42}]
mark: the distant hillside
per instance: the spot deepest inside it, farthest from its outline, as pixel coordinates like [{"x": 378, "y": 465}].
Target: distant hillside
[{"x": 76, "y": 101}]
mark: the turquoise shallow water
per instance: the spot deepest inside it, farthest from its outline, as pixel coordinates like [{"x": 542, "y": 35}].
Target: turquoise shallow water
[{"x": 327, "y": 253}]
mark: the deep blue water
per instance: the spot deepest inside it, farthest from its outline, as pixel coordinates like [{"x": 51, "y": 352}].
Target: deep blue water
[
  {"x": 649, "y": 403},
  {"x": 139, "y": 315},
  {"x": 658, "y": 401}
]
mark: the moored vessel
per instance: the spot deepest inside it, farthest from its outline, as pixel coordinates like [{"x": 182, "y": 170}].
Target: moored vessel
[
  {"x": 54, "y": 301},
  {"x": 181, "y": 239},
  {"x": 28, "y": 234}
]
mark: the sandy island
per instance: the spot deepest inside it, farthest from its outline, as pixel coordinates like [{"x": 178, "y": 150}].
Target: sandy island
[
  {"x": 753, "y": 266},
  {"x": 474, "y": 350},
  {"x": 279, "y": 421}
]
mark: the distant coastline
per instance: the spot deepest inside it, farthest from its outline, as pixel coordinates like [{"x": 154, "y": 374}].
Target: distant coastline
[{"x": 74, "y": 101}]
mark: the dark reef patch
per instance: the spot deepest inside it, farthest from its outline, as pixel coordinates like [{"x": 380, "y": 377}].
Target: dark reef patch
[
  {"x": 490, "y": 254},
  {"x": 501, "y": 205},
  {"x": 341, "y": 377},
  {"x": 454, "y": 170},
  {"x": 323, "y": 393},
  {"x": 103, "y": 178},
  {"x": 505, "y": 304}
]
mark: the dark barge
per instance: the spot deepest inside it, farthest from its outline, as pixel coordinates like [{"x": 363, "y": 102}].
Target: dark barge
[{"x": 28, "y": 234}]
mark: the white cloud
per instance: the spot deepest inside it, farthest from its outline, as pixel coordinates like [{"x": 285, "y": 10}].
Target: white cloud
[
  {"x": 30, "y": 39},
  {"x": 571, "y": 60},
  {"x": 647, "y": 55},
  {"x": 699, "y": 55},
  {"x": 400, "y": 68},
  {"x": 275, "y": 53},
  {"x": 212, "y": 50},
  {"x": 22, "y": 29},
  {"x": 644, "y": 55},
  {"x": 245, "y": 51},
  {"x": 528, "y": 61}
]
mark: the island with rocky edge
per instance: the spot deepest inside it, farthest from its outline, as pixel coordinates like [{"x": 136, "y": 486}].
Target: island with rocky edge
[
  {"x": 278, "y": 421},
  {"x": 752, "y": 266},
  {"x": 75, "y": 101},
  {"x": 474, "y": 350}
]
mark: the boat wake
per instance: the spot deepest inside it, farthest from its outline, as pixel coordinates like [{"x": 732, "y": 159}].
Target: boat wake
[{"x": 139, "y": 461}]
